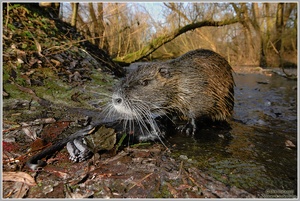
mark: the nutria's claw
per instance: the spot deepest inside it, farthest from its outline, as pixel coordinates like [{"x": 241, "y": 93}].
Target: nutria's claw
[
  {"x": 78, "y": 150},
  {"x": 189, "y": 128}
]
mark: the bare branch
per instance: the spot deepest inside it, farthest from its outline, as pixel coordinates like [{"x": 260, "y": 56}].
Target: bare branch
[{"x": 158, "y": 42}]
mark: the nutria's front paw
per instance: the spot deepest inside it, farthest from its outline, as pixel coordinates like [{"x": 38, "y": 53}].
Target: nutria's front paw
[
  {"x": 78, "y": 150},
  {"x": 189, "y": 128}
]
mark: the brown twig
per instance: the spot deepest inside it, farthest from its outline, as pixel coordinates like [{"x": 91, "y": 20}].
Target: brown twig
[
  {"x": 139, "y": 183},
  {"x": 7, "y": 15}
]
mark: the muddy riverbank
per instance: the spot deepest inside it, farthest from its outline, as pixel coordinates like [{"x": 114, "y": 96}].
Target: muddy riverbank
[{"x": 255, "y": 157}]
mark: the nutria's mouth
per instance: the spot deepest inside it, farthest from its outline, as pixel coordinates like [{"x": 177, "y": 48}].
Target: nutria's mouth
[
  {"x": 135, "y": 113},
  {"x": 135, "y": 109}
]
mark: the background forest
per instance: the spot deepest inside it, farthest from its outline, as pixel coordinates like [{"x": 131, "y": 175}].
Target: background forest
[{"x": 260, "y": 34}]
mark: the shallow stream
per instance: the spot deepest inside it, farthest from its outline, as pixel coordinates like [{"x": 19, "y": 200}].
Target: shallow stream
[{"x": 257, "y": 153}]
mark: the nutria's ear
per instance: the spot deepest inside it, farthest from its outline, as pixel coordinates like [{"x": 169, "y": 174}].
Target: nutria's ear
[{"x": 164, "y": 72}]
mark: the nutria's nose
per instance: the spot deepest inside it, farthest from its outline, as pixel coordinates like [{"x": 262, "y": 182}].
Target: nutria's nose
[{"x": 117, "y": 101}]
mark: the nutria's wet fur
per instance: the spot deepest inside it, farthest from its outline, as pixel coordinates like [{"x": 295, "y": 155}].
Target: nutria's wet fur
[{"x": 198, "y": 84}]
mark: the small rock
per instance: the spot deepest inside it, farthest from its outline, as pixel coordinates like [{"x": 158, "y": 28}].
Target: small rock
[
  {"x": 290, "y": 144},
  {"x": 183, "y": 157},
  {"x": 268, "y": 103}
]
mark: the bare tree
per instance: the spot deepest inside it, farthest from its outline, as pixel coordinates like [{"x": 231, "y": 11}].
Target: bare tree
[
  {"x": 251, "y": 33},
  {"x": 74, "y": 14},
  {"x": 103, "y": 43},
  {"x": 279, "y": 30}
]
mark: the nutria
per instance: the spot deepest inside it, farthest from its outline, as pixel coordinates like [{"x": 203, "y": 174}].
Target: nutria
[{"x": 198, "y": 84}]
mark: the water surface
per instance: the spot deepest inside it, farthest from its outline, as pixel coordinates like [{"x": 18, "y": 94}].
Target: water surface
[{"x": 253, "y": 154}]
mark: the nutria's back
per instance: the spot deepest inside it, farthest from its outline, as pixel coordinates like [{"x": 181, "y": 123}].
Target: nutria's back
[
  {"x": 197, "y": 84},
  {"x": 206, "y": 83}
]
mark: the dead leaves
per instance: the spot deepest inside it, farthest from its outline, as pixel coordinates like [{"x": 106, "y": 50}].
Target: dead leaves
[
  {"x": 19, "y": 177},
  {"x": 20, "y": 186}
]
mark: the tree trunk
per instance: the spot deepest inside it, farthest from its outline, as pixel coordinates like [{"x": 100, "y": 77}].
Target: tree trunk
[
  {"x": 95, "y": 34},
  {"x": 255, "y": 23},
  {"x": 74, "y": 14},
  {"x": 279, "y": 31},
  {"x": 104, "y": 43},
  {"x": 242, "y": 13},
  {"x": 269, "y": 27}
]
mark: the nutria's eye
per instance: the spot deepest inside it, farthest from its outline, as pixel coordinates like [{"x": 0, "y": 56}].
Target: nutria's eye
[
  {"x": 164, "y": 72},
  {"x": 144, "y": 82}
]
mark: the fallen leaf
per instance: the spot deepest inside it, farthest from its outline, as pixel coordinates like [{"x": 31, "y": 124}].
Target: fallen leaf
[
  {"x": 289, "y": 144},
  {"x": 9, "y": 146},
  {"x": 19, "y": 177},
  {"x": 38, "y": 144},
  {"x": 51, "y": 131},
  {"x": 29, "y": 131},
  {"x": 45, "y": 121}
]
